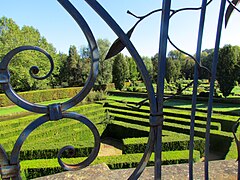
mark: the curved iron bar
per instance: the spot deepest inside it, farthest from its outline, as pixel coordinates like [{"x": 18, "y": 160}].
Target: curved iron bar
[
  {"x": 233, "y": 5},
  {"x": 146, "y": 156},
  {"x": 93, "y": 51},
  {"x": 173, "y": 13},
  {"x": 186, "y": 9},
  {"x": 124, "y": 38},
  {"x": 120, "y": 33},
  {"x": 170, "y": 41},
  {"x": 96, "y": 147},
  {"x": 189, "y": 55},
  {"x": 5, "y": 78},
  {"x": 54, "y": 111},
  {"x": 14, "y": 159},
  {"x": 156, "y": 103},
  {"x": 184, "y": 52},
  {"x": 34, "y": 69}
]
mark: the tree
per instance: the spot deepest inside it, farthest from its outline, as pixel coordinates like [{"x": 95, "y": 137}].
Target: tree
[
  {"x": 206, "y": 60},
  {"x": 85, "y": 62},
  {"x": 187, "y": 68},
  {"x": 149, "y": 65},
  {"x": 71, "y": 70},
  {"x": 172, "y": 70},
  {"x": 119, "y": 71},
  {"x": 105, "y": 66},
  {"x": 155, "y": 67},
  {"x": 133, "y": 71},
  {"x": 176, "y": 55},
  {"x": 12, "y": 36},
  {"x": 228, "y": 68}
]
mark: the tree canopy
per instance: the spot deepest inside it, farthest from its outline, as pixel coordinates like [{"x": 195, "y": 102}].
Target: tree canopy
[
  {"x": 12, "y": 36},
  {"x": 119, "y": 71},
  {"x": 228, "y": 68}
]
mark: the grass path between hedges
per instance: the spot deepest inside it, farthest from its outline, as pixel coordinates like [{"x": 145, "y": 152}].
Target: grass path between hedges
[
  {"x": 11, "y": 110},
  {"x": 15, "y": 110},
  {"x": 219, "y": 107}
]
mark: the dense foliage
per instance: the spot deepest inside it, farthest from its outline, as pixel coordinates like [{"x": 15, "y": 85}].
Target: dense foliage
[
  {"x": 73, "y": 69},
  {"x": 12, "y": 36},
  {"x": 228, "y": 68},
  {"x": 120, "y": 71}
]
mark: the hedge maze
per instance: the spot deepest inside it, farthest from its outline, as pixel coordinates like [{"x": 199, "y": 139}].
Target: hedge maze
[{"x": 120, "y": 121}]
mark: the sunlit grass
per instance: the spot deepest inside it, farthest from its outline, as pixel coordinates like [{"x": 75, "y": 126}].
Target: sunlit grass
[{"x": 10, "y": 110}]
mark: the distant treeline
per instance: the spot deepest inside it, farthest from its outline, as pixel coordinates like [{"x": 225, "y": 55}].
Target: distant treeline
[{"x": 72, "y": 69}]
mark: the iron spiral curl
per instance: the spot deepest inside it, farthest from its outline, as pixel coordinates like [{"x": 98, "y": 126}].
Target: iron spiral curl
[
  {"x": 34, "y": 69},
  {"x": 71, "y": 149},
  {"x": 53, "y": 112},
  {"x": 5, "y": 78}
]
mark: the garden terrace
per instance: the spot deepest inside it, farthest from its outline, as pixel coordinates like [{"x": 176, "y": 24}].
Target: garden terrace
[{"x": 134, "y": 120}]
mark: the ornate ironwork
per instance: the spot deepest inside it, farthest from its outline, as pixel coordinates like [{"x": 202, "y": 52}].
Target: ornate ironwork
[{"x": 54, "y": 112}]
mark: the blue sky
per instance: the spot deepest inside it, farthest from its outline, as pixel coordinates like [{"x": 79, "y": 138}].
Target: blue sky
[{"x": 54, "y": 23}]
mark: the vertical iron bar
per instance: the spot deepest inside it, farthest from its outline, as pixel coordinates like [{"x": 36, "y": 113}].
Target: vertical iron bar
[
  {"x": 160, "y": 82},
  {"x": 210, "y": 100},
  {"x": 195, "y": 86}
]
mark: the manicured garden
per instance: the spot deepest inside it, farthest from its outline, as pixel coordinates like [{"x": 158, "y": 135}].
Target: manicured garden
[{"x": 119, "y": 117}]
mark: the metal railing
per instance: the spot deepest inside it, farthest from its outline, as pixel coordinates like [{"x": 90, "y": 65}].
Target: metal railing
[{"x": 10, "y": 168}]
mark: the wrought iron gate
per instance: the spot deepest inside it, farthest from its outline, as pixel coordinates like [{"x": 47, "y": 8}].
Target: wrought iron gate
[{"x": 10, "y": 165}]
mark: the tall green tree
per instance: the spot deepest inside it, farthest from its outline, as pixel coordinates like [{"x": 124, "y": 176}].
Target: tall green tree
[
  {"x": 155, "y": 67},
  {"x": 85, "y": 62},
  {"x": 71, "y": 70},
  {"x": 119, "y": 71},
  {"x": 105, "y": 66},
  {"x": 187, "y": 68},
  {"x": 228, "y": 68},
  {"x": 133, "y": 71},
  {"x": 206, "y": 60},
  {"x": 149, "y": 65},
  {"x": 176, "y": 55},
  {"x": 173, "y": 68}
]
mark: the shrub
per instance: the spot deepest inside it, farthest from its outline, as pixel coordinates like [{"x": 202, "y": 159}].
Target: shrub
[
  {"x": 33, "y": 169},
  {"x": 96, "y": 96},
  {"x": 42, "y": 95}
]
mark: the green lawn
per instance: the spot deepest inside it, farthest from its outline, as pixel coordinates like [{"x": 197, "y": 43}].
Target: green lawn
[
  {"x": 219, "y": 107},
  {"x": 12, "y": 110},
  {"x": 126, "y": 99}
]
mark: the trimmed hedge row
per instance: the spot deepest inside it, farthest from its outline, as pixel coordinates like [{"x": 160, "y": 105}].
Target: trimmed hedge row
[
  {"x": 120, "y": 130},
  {"x": 51, "y": 129},
  {"x": 42, "y": 95},
  {"x": 233, "y": 150},
  {"x": 34, "y": 168},
  {"x": 226, "y": 121},
  {"x": 54, "y": 135},
  {"x": 175, "y": 143},
  {"x": 52, "y": 153},
  {"x": 183, "y": 97},
  {"x": 125, "y": 115},
  {"x": 219, "y": 140},
  {"x": 20, "y": 123}
]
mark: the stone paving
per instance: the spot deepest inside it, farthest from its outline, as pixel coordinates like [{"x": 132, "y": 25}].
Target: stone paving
[{"x": 219, "y": 170}]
